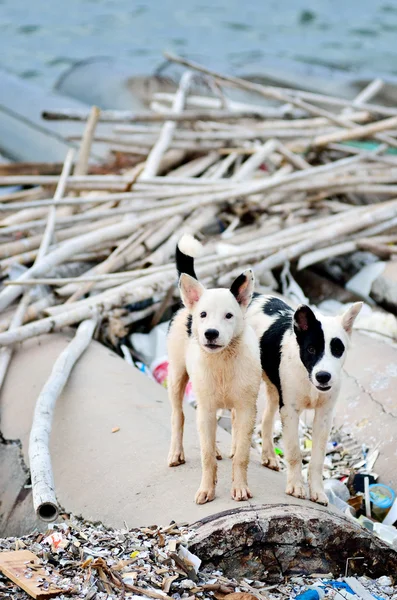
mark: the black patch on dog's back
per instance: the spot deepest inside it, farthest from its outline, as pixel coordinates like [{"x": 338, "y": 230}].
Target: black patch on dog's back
[
  {"x": 271, "y": 340},
  {"x": 274, "y": 305},
  {"x": 189, "y": 323},
  {"x": 337, "y": 347}
]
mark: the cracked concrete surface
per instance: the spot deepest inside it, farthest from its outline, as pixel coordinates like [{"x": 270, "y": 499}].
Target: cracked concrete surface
[{"x": 367, "y": 405}]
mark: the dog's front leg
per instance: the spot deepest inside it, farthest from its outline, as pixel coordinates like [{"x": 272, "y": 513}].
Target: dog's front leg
[
  {"x": 206, "y": 421},
  {"x": 290, "y": 422},
  {"x": 178, "y": 379},
  {"x": 321, "y": 430},
  {"x": 244, "y": 421}
]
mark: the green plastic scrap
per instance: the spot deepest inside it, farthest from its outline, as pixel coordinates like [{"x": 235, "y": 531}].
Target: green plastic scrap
[{"x": 368, "y": 146}]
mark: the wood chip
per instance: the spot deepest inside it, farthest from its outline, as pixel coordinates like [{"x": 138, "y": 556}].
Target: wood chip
[{"x": 15, "y": 565}]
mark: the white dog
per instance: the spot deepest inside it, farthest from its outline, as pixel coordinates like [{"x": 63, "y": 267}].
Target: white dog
[
  {"x": 302, "y": 355},
  {"x": 210, "y": 342}
]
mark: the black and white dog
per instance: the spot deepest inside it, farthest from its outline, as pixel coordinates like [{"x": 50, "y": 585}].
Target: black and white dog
[{"x": 302, "y": 355}]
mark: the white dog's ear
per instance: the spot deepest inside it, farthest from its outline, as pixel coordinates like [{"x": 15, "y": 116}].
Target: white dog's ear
[
  {"x": 242, "y": 288},
  {"x": 349, "y": 316},
  {"x": 191, "y": 290},
  {"x": 304, "y": 317}
]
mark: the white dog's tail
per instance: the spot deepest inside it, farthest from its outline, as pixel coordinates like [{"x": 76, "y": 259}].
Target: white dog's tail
[{"x": 187, "y": 250}]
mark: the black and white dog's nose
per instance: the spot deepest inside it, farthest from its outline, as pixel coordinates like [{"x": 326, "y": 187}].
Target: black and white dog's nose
[
  {"x": 211, "y": 334},
  {"x": 323, "y": 377}
]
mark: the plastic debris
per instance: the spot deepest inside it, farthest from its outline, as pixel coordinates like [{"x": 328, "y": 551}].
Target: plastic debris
[
  {"x": 382, "y": 497},
  {"x": 312, "y": 593}
]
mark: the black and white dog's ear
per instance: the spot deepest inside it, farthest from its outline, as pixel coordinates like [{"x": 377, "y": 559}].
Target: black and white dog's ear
[
  {"x": 304, "y": 317},
  {"x": 349, "y": 316},
  {"x": 242, "y": 287},
  {"x": 191, "y": 290}
]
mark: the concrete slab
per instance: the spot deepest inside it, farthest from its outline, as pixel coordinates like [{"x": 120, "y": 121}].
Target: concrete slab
[
  {"x": 119, "y": 477},
  {"x": 367, "y": 405},
  {"x": 14, "y": 494}
]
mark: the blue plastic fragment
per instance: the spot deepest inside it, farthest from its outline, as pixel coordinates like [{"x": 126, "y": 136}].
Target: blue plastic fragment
[{"x": 338, "y": 585}]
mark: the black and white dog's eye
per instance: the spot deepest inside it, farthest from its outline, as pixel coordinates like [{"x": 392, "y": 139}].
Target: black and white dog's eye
[
  {"x": 203, "y": 315},
  {"x": 229, "y": 315},
  {"x": 311, "y": 350}
]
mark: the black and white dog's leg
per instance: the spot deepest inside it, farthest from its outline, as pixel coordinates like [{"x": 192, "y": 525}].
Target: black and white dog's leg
[
  {"x": 321, "y": 430},
  {"x": 269, "y": 458},
  {"x": 290, "y": 422}
]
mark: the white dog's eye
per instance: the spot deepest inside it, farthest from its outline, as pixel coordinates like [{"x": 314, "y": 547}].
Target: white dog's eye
[
  {"x": 229, "y": 315},
  {"x": 203, "y": 315},
  {"x": 311, "y": 350}
]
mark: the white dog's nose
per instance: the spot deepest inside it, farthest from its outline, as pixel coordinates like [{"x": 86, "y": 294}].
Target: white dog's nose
[{"x": 211, "y": 334}]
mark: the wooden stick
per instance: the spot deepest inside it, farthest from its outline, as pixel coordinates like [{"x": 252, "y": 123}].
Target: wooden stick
[
  {"x": 366, "y": 94},
  {"x": 50, "y": 226},
  {"x": 43, "y": 489},
  {"x": 382, "y": 213},
  {"x": 154, "y": 158},
  {"x": 264, "y": 112},
  {"x": 280, "y": 94},
  {"x": 86, "y": 142},
  {"x": 127, "y": 116},
  {"x": 148, "y": 241},
  {"x": 18, "y": 318},
  {"x": 16, "y": 321},
  {"x": 360, "y": 132},
  {"x": 255, "y": 161},
  {"x": 31, "y": 194}
]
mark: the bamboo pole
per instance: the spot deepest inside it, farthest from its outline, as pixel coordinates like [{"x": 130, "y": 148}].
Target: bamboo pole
[
  {"x": 280, "y": 94},
  {"x": 155, "y": 155},
  {"x": 50, "y": 225},
  {"x": 16, "y": 321},
  {"x": 82, "y": 243},
  {"x": 43, "y": 488},
  {"x": 18, "y": 318},
  {"x": 360, "y": 132},
  {"x": 127, "y": 116},
  {"x": 86, "y": 142}
]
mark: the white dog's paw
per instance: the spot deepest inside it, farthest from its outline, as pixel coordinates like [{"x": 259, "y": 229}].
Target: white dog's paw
[
  {"x": 176, "y": 458},
  {"x": 270, "y": 461},
  {"x": 205, "y": 495},
  {"x": 319, "y": 496},
  {"x": 241, "y": 492},
  {"x": 218, "y": 454},
  {"x": 296, "y": 488}
]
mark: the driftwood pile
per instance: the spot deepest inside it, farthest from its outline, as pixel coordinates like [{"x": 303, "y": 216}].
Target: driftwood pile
[{"x": 295, "y": 177}]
